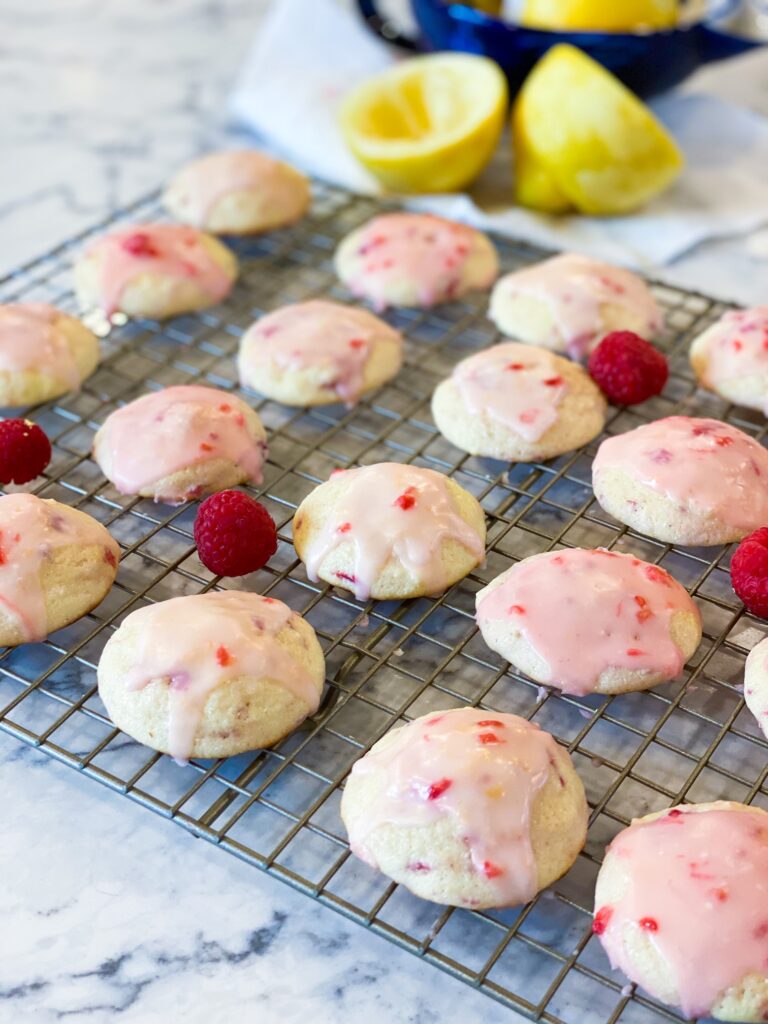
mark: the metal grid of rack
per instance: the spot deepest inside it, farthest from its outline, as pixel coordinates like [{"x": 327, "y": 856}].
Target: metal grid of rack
[{"x": 278, "y": 809}]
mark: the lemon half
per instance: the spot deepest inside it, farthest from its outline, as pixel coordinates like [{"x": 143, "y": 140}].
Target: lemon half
[
  {"x": 430, "y": 124},
  {"x": 600, "y": 15}
]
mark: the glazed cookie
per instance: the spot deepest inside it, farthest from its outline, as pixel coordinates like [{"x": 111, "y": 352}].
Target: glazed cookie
[
  {"x": 731, "y": 357},
  {"x": 590, "y": 621},
  {"x": 682, "y": 908},
  {"x": 242, "y": 192},
  {"x": 467, "y": 807},
  {"x": 318, "y": 352},
  {"x": 243, "y": 672},
  {"x": 180, "y": 443},
  {"x": 518, "y": 403},
  {"x": 43, "y": 353},
  {"x": 415, "y": 259},
  {"x": 756, "y": 684},
  {"x": 684, "y": 481},
  {"x": 389, "y": 531},
  {"x": 569, "y": 302},
  {"x": 56, "y": 564},
  {"x": 154, "y": 270}
]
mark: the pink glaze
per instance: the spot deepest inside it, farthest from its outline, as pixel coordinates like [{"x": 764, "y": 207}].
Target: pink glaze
[
  {"x": 31, "y": 529},
  {"x": 205, "y": 181},
  {"x": 169, "y": 430},
  {"x": 698, "y": 888},
  {"x": 168, "y": 250},
  {"x": 224, "y": 636},
  {"x": 30, "y": 340},
  {"x": 387, "y": 511},
  {"x": 700, "y": 462},
  {"x": 334, "y": 339},
  {"x": 518, "y": 385},
  {"x": 737, "y": 346},
  {"x": 421, "y": 248},
  {"x": 756, "y": 691},
  {"x": 482, "y": 769},
  {"x": 587, "y": 611},
  {"x": 575, "y": 287}
]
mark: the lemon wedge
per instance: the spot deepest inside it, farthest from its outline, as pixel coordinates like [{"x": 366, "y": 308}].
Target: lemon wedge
[
  {"x": 534, "y": 185},
  {"x": 430, "y": 124},
  {"x": 599, "y": 144},
  {"x": 600, "y": 15}
]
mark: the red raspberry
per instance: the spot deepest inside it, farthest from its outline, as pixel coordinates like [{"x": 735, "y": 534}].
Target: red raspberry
[
  {"x": 25, "y": 451},
  {"x": 628, "y": 369},
  {"x": 749, "y": 572},
  {"x": 234, "y": 534}
]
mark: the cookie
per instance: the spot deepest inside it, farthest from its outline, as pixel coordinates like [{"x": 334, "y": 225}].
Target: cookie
[
  {"x": 243, "y": 672},
  {"x": 590, "y": 621},
  {"x": 155, "y": 271},
  {"x": 44, "y": 353},
  {"x": 389, "y": 531},
  {"x": 318, "y": 352},
  {"x": 681, "y": 907},
  {"x": 570, "y": 302},
  {"x": 684, "y": 481},
  {"x": 180, "y": 443},
  {"x": 518, "y": 403},
  {"x": 239, "y": 192},
  {"x": 56, "y": 564},
  {"x": 415, "y": 259},
  {"x": 467, "y": 807},
  {"x": 731, "y": 358},
  {"x": 756, "y": 684}
]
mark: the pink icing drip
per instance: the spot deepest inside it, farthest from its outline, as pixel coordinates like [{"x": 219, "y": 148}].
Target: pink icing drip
[
  {"x": 175, "y": 428},
  {"x": 518, "y": 385},
  {"x": 737, "y": 346},
  {"x": 575, "y": 287},
  {"x": 327, "y": 335},
  {"x": 587, "y": 611},
  {"x": 169, "y": 250},
  {"x": 392, "y": 511},
  {"x": 415, "y": 247},
  {"x": 203, "y": 183},
  {"x": 483, "y": 769},
  {"x": 30, "y": 340},
  {"x": 30, "y": 530},
  {"x": 699, "y": 462},
  {"x": 710, "y": 868},
  {"x": 224, "y": 636}
]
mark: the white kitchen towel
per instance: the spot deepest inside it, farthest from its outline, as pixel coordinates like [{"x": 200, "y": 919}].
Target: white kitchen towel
[{"x": 308, "y": 54}]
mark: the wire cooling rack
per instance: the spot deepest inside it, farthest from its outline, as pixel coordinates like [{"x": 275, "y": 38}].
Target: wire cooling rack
[{"x": 279, "y": 809}]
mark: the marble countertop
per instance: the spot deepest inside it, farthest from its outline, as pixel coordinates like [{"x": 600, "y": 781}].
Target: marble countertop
[{"x": 113, "y": 912}]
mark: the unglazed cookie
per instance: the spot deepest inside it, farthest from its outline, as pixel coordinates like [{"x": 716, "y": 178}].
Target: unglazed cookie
[
  {"x": 415, "y": 259},
  {"x": 182, "y": 442},
  {"x": 684, "y": 481},
  {"x": 211, "y": 675},
  {"x": 681, "y": 907},
  {"x": 518, "y": 403},
  {"x": 318, "y": 352},
  {"x": 241, "y": 192},
  {"x": 467, "y": 807},
  {"x": 590, "y": 621},
  {"x": 389, "y": 531},
  {"x": 731, "y": 357},
  {"x": 569, "y": 302},
  {"x": 154, "y": 270},
  {"x": 43, "y": 353},
  {"x": 56, "y": 564}
]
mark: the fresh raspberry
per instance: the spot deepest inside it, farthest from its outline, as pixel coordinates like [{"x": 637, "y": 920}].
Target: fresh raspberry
[
  {"x": 749, "y": 572},
  {"x": 628, "y": 369},
  {"x": 25, "y": 451},
  {"x": 234, "y": 534}
]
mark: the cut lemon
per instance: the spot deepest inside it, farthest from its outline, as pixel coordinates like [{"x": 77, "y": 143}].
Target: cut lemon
[
  {"x": 600, "y": 15},
  {"x": 601, "y": 145},
  {"x": 430, "y": 124},
  {"x": 534, "y": 185}
]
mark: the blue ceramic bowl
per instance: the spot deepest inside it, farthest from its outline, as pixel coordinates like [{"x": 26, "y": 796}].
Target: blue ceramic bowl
[{"x": 648, "y": 63}]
